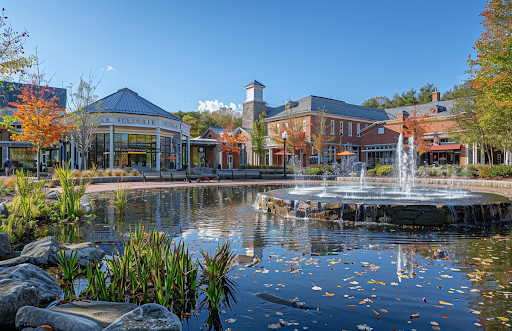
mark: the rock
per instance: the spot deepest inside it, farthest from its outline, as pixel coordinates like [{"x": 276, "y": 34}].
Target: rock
[
  {"x": 24, "y": 285},
  {"x": 41, "y": 251},
  {"x": 3, "y": 208},
  {"x": 86, "y": 252},
  {"x": 150, "y": 316},
  {"x": 35, "y": 317},
  {"x": 5, "y": 244},
  {"x": 431, "y": 218},
  {"x": 52, "y": 195},
  {"x": 101, "y": 312},
  {"x": 85, "y": 204}
]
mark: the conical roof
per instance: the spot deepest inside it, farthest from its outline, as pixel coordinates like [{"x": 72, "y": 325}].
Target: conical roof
[{"x": 126, "y": 101}]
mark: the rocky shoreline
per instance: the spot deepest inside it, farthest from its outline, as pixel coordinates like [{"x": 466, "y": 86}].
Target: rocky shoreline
[{"x": 27, "y": 293}]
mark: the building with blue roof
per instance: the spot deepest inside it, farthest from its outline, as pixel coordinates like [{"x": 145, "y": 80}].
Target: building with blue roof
[{"x": 135, "y": 133}]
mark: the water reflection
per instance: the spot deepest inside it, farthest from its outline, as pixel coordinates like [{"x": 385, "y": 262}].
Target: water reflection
[{"x": 421, "y": 270}]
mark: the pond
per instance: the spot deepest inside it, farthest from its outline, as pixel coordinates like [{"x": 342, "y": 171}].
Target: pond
[{"x": 350, "y": 276}]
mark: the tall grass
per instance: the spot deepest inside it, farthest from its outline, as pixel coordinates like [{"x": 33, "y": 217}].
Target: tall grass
[
  {"x": 120, "y": 202},
  {"x": 70, "y": 196},
  {"x": 219, "y": 287},
  {"x": 151, "y": 268}
]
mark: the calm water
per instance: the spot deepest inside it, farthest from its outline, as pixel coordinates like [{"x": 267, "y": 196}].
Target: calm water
[{"x": 352, "y": 277}]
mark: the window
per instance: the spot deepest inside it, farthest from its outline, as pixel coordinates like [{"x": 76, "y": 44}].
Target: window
[
  {"x": 304, "y": 124},
  {"x": 268, "y": 128},
  {"x": 341, "y": 128},
  {"x": 359, "y": 129},
  {"x": 380, "y": 131},
  {"x": 285, "y": 124},
  {"x": 366, "y": 125},
  {"x": 350, "y": 129},
  {"x": 277, "y": 128},
  {"x": 332, "y": 127}
]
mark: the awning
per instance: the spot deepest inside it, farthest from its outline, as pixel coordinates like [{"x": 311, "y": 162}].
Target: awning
[
  {"x": 449, "y": 147},
  {"x": 281, "y": 153}
]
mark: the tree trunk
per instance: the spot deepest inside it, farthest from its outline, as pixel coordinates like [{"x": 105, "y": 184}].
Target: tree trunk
[{"x": 38, "y": 160}]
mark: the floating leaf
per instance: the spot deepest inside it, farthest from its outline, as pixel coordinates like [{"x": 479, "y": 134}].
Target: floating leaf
[
  {"x": 445, "y": 303},
  {"x": 445, "y": 316},
  {"x": 383, "y": 310},
  {"x": 316, "y": 288},
  {"x": 231, "y": 320},
  {"x": 414, "y": 315}
]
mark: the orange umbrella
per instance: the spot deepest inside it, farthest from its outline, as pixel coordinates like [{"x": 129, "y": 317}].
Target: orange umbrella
[
  {"x": 346, "y": 153},
  {"x": 172, "y": 157}
]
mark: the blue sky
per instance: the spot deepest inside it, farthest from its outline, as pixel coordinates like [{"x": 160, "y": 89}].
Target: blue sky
[{"x": 177, "y": 53}]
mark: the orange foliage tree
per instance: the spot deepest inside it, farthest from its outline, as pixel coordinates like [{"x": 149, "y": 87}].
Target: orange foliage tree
[
  {"x": 40, "y": 117},
  {"x": 416, "y": 126},
  {"x": 296, "y": 134},
  {"x": 230, "y": 141}
]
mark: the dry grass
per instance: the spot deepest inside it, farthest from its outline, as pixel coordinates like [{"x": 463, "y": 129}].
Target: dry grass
[
  {"x": 119, "y": 172},
  {"x": 135, "y": 172},
  {"x": 11, "y": 181}
]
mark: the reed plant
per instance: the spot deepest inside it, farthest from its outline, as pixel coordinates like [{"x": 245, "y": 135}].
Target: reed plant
[
  {"x": 68, "y": 272},
  {"x": 70, "y": 197},
  {"x": 217, "y": 285},
  {"x": 120, "y": 202},
  {"x": 151, "y": 268}
]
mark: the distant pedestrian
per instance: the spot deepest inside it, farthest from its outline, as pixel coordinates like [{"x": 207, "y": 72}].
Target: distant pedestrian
[{"x": 9, "y": 167}]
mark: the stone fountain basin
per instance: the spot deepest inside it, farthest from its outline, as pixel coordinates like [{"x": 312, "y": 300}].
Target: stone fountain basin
[{"x": 444, "y": 206}]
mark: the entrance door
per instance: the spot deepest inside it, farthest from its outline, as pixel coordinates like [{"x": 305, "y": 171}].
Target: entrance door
[{"x": 230, "y": 161}]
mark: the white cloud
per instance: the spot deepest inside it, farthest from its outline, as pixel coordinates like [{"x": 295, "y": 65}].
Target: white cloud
[
  {"x": 109, "y": 68},
  {"x": 216, "y": 105}
]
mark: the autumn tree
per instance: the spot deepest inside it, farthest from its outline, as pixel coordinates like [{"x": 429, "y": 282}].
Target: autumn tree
[
  {"x": 491, "y": 71},
  {"x": 84, "y": 121},
  {"x": 415, "y": 125},
  {"x": 231, "y": 141},
  {"x": 40, "y": 116},
  {"x": 321, "y": 137},
  {"x": 472, "y": 124},
  {"x": 296, "y": 134},
  {"x": 258, "y": 136}
]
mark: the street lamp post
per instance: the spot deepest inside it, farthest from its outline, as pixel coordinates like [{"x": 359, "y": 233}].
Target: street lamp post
[{"x": 284, "y": 136}]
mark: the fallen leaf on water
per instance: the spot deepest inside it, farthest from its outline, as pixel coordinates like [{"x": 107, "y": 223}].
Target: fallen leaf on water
[
  {"x": 414, "y": 315},
  {"x": 434, "y": 323},
  {"x": 231, "y": 320},
  {"x": 279, "y": 313},
  {"x": 424, "y": 300},
  {"x": 364, "y": 327},
  {"x": 503, "y": 319},
  {"x": 47, "y": 327},
  {"x": 316, "y": 288},
  {"x": 327, "y": 294},
  {"x": 445, "y": 316},
  {"x": 445, "y": 303},
  {"x": 383, "y": 310}
]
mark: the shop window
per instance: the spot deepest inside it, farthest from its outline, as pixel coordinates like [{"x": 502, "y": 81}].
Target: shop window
[{"x": 380, "y": 131}]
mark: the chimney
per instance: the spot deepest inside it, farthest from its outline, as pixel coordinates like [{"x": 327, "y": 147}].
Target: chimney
[{"x": 436, "y": 96}]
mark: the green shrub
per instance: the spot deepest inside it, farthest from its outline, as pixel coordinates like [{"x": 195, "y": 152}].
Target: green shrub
[
  {"x": 384, "y": 170},
  {"x": 315, "y": 171},
  {"x": 371, "y": 172},
  {"x": 500, "y": 170}
]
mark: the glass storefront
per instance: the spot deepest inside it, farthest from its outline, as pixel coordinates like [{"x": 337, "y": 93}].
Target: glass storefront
[{"x": 135, "y": 151}]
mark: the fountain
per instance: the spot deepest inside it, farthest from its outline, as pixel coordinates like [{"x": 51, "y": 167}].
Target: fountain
[{"x": 403, "y": 202}]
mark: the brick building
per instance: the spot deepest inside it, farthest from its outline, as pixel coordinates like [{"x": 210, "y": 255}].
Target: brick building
[{"x": 371, "y": 133}]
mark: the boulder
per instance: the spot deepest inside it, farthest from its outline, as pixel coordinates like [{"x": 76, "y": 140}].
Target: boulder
[
  {"x": 52, "y": 195},
  {"x": 5, "y": 244},
  {"x": 85, "y": 204},
  {"x": 150, "y": 316},
  {"x": 86, "y": 252},
  {"x": 34, "y": 317},
  {"x": 101, "y": 312},
  {"x": 41, "y": 252},
  {"x": 3, "y": 208},
  {"x": 24, "y": 285}
]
